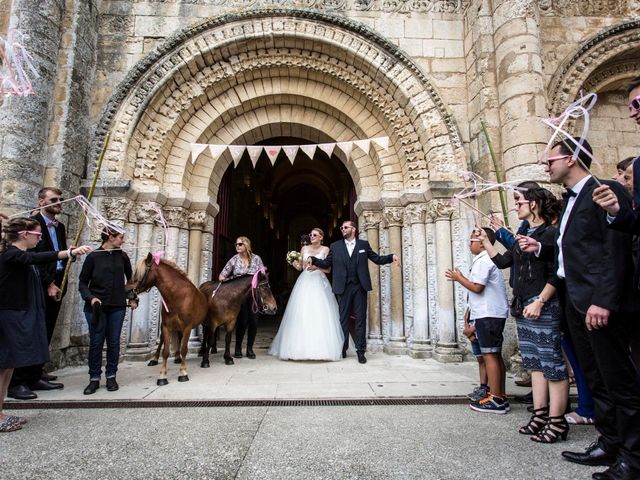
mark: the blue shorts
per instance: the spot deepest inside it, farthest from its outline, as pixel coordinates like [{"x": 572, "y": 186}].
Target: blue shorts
[{"x": 489, "y": 332}]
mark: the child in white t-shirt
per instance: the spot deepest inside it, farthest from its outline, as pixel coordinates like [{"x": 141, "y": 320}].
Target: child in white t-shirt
[{"x": 488, "y": 310}]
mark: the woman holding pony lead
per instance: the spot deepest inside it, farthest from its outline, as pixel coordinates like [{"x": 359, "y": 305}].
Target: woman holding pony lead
[
  {"x": 23, "y": 333},
  {"x": 244, "y": 262},
  {"x": 102, "y": 280}
]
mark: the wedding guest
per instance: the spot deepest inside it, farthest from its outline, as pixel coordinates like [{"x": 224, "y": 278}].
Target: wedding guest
[
  {"x": 23, "y": 332},
  {"x": 242, "y": 263},
  {"x": 537, "y": 312},
  {"x": 32, "y": 377},
  {"x": 102, "y": 280}
]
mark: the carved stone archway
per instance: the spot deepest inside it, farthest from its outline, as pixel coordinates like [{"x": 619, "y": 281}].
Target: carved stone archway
[
  {"x": 577, "y": 72},
  {"x": 243, "y": 78}
]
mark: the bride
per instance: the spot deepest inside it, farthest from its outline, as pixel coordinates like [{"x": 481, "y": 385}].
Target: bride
[{"x": 310, "y": 328}]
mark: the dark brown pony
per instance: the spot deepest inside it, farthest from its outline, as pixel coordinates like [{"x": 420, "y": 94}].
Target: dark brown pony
[
  {"x": 186, "y": 306},
  {"x": 225, "y": 300}
]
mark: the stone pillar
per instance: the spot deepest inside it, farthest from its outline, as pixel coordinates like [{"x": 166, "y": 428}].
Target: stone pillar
[
  {"x": 397, "y": 342},
  {"x": 138, "y": 346},
  {"x": 446, "y": 347},
  {"x": 196, "y": 224},
  {"x": 370, "y": 223},
  {"x": 521, "y": 87},
  {"x": 421, "y": 346},
  {"x": 24, "y": 122}
]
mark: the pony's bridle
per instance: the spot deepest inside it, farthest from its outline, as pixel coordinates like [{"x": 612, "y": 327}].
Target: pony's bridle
[{"x": 258, "y": 304}]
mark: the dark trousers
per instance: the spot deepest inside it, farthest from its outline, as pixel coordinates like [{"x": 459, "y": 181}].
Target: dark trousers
[
  {"x": 29, "y": 375},
  {"x": 354, "y": 297},
  {"x": 604, "y": 357},
  {"x": 585, "y": 402},
  {"x": 247, "y": 320},
  {"x": 109, "y": 330}
]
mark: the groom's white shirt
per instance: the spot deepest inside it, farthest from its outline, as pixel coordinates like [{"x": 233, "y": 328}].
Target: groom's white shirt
[{"x": 351, "y": 244}]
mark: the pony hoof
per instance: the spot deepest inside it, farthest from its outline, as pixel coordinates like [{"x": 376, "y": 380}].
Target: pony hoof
[
  {"x": 228, "y": 361},
  {"x": 162, "y": 381},
  {"x": 204, "y": 365},
  {"x": 183, "y": 378},
  {"x": 177, "y": 360},
  {"x": 215, "y": 350},
  {"x": 152, "y": 363}
]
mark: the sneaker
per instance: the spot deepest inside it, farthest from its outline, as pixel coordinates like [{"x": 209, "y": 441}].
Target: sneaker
[
  {"x": 478, "y": 394},
  {"x": 491, "y": 404}
]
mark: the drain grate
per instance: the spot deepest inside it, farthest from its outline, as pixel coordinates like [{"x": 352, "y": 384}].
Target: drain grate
[{"x": 325, "y": 402}]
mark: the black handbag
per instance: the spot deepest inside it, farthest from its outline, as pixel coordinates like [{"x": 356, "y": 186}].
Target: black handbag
[{"x": 516, "y": 307}]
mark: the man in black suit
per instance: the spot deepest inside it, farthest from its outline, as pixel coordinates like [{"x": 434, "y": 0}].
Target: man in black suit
[
  {"x": 54, "y": 238},
  {"x": 598, "y": 301},
  {"x": 351, "y": 281}
]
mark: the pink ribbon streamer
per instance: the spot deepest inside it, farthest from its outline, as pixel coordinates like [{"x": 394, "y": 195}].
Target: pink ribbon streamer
[{"x": 14, "y": 80}]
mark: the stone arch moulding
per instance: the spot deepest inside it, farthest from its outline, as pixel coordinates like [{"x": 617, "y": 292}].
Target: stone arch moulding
[
  {"x": 198, "y": 66},
  {"x": 572, "y": 75}
]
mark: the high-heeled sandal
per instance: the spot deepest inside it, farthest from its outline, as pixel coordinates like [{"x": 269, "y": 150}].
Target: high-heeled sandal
[
  {"x": 536, "y": 423},
  {"x": 556, "y": 428}
]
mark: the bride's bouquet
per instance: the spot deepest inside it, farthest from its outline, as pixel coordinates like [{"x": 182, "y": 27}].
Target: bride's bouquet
[{"x": 292, "y": 256}]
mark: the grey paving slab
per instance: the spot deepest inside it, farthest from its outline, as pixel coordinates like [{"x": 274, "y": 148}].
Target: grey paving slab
[{"x": 448, "y": 442}]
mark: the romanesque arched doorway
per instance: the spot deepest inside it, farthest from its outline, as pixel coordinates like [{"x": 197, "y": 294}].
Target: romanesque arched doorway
[{"x": 253, "y": 77}]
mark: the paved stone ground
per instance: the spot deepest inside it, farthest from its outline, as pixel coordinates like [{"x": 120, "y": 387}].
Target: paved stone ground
[{"x": 372, "y": 442}]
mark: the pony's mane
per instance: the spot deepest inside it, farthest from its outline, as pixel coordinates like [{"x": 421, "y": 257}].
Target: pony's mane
[{"x": 140, "y": 268}]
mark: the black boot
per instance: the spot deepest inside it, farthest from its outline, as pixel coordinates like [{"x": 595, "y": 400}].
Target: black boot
[
  {"x": 250, "y": 353},
  {"x": 238, "y": 352},
  {"x": 93, "y": 386},
  {"x": 112, "y": 385}
]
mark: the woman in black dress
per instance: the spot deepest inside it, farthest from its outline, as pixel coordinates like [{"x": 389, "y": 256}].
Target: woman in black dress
[{"x": 23, "y": 334}]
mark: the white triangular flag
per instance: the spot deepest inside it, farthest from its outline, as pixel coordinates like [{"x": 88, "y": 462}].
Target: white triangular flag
[
  {"x": 272, "y": 153},
  {"x": 346, "y": 147},
  {"x": 310, "y": 150},
  {"x": 254, "y": 154},
  {"x": 236, "y": 152},
  {"x": 291, "y": 151},
  {"x": 216, "y": 151},
  {"x": 363, "y": 145},
  {"x": 196, "y": 150},
  {"x": 327, "y": 148},
  {"x": 382, "y": 142}
]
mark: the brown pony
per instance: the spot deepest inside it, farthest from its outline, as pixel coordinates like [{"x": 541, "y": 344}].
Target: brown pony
[
  {"x": 225, "y": 300},
  {"x": 186, "y": 306}
]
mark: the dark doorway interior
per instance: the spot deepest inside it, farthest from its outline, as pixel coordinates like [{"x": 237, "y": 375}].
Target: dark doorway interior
[{"x": 275, "y": 205}]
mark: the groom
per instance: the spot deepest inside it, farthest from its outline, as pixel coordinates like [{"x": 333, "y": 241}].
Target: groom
[{"x": 351, "y": 281}]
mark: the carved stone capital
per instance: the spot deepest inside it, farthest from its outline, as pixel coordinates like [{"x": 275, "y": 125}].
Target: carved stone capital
[
  {"x": 142, "y": 213},
  {"x": 175, "y": 216},
  {"x": 440, "y": 210},
  {"x": 117, "y": 208},
  {"x": 415, "y": 213},
  {"x": 393, "y": 216},
  {"x": 370, "y": 219},
  {"x": 197, "y": 219}
]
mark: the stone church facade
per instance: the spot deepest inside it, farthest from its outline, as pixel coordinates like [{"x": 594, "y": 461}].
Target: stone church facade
[{"x": 159, "y": 75}]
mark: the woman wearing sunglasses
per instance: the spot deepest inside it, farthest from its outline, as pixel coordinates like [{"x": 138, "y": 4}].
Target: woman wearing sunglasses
[
  {"x": 242, "y": 263},
  {"x": 310, "y": 328},
  {"x": 23, "y": 334}
]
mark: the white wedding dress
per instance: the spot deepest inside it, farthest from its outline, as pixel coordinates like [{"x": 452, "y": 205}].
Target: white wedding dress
[{"x": 310, "y": 327}]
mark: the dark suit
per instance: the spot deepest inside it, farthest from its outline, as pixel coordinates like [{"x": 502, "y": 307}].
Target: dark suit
[
  {"x": 351, "y": 282},
  {"x": 49, "y": 274},
  {"x": 598, "y": 272}
]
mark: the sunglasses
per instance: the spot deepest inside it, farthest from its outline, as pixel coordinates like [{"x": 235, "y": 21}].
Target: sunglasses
[
  {"x": 314, "y": 235},
  {"x": 239, "y": 244},
  {"x": 56, "y": 199},
  {"x": 345, "y": 227},
  {"x": 31, "y": 232},
  {"x": 634, "y": 105},
  {"x": 550, "y": 160}
]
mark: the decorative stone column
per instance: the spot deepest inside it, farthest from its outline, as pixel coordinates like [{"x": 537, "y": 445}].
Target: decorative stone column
[
  {"x": 370, "y": 223},
  {"x": 176, "y": 218},
  {"x": 197, "y": 220},
  {"x": 138, "y": 346},
  {"x": 446, "y": 347},
  {"x": 421, "y": 345},
  {"x": 397, "y": 344}
]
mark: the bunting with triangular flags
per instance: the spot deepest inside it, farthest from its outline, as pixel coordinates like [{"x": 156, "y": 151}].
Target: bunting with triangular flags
[
  {"x": 254, "y": 154},
  {"x": 309, "y": 150},
  {"x": 272, "y": 152},
  {"x": 236, "y": 152},
  {"x": 291, "y": 151},
  {"x": 216, "y": 151},
  {"x": 196, "y": 150},
  {"x": 327, "y": 148}
]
